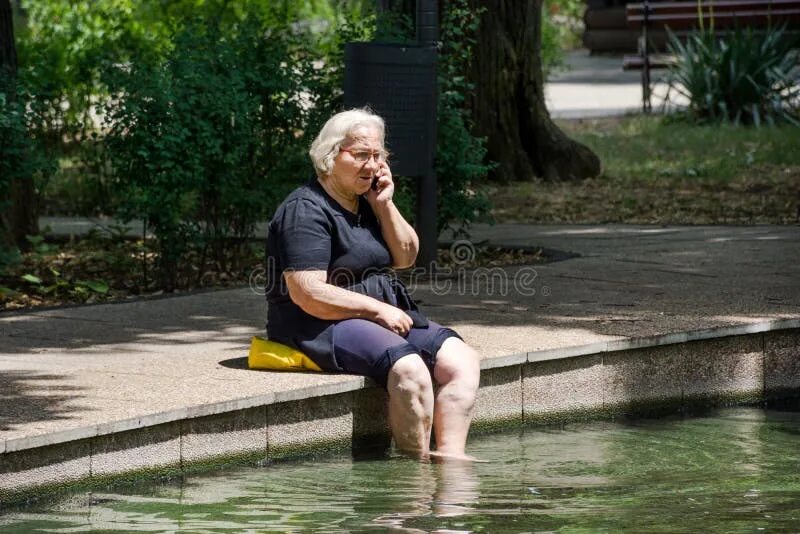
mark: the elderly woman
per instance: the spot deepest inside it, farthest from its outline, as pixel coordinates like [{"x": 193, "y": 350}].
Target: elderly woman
[{"x": 331, "y": 246}]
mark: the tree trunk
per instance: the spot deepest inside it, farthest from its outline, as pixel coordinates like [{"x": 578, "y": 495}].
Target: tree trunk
[
  {"x": 20, "y": 218},
  {"x": 508, "y": 103}
]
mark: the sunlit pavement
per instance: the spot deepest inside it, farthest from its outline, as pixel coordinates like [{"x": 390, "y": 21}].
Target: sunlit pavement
[{"x": 596, "y": 86}]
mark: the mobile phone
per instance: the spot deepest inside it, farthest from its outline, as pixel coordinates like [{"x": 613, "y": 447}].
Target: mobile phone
[{"x": 374, "y": 184}]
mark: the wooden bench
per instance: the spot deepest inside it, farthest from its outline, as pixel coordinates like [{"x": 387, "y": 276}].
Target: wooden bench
[{"x": 682, "y": 18}]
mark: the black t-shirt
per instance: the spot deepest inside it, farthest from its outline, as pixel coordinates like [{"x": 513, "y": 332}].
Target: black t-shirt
[{"x": 311, "y": 231}]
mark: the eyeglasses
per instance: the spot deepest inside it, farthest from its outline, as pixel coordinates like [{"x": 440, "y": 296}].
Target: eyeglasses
[{"x": 363, "y": 156}]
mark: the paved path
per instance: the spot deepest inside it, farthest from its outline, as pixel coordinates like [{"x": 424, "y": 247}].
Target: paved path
[
  {"x": 119, "y": 366},
  {"x": 596, "y": 86}
]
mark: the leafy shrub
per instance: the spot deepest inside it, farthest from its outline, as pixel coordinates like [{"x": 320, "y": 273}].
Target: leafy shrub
[
  {"x": 562, "y": 27},
  {"x": 22, "y": 155},
  {"x": 745, "y": 77},
  {"x": 461, "y": 156},
  {"x": 63, "y": 46},
  {"x": 13, "y": 160},
  {"x": 202, "y": 143},
  {"x": 206, "y": 110}
]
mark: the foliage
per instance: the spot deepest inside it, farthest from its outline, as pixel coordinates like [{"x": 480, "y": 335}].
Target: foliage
[
  {"x": 745, "y": 77},
  {"x": 562, "y": 26},
  {"x": 102, "y": 266},
  {"x": 65, "y": 46},
  {"x": 460, "y": 155},
  {"x": 202, "y": 143},
  {"x": 62, "y": 46},
  {"x": 47, "y": 281},
  {"x": 195, "y": 115},
  {"x": 22, "y": 155}
]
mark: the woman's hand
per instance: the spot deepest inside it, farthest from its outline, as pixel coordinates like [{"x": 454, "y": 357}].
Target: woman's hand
[
  {"x": 315, "y": 296},
  {"x": 384, "y": 191},
  {"x": 394, "y": 319}
]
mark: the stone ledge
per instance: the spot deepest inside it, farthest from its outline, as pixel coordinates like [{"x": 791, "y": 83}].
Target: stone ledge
[
  {"x": 347, "y": 383},
  {"x": 747, "y": 363},
  {"x": 660, "y": 340}
]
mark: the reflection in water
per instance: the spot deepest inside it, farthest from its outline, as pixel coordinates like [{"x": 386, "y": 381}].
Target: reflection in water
[
  {"x": 735, "y": 471},
  {"x": 457, "y": 489}
]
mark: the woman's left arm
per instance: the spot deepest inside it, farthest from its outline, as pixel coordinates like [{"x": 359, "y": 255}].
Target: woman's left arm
[{"x": 400, "y": 237}]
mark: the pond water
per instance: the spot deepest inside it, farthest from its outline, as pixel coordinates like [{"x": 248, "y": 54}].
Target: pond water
[{"x": 737, "y": 470}]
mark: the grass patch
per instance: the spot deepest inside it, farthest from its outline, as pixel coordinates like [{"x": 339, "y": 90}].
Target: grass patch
[{"x": 660, "y": 170}]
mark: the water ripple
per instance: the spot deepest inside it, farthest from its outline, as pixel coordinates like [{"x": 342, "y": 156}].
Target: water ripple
[{"x": 735, "y": 471}]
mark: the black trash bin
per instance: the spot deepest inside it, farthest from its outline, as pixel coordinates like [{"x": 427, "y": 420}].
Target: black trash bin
[{"x": 399, "y": 83}]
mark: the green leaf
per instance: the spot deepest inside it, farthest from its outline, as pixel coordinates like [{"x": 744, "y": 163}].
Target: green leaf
[
  {"x": 32, "y": 279},
  {"x": 7, "y": 292},
  {"x": 49, "y": 289},
  {"x": 98, "y": 286}
]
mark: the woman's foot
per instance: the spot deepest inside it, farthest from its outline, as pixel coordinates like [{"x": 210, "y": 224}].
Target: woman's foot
[{"x": 441, "y": 457}]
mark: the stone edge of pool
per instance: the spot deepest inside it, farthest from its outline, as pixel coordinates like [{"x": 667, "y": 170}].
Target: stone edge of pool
[{"x": 746, "y": 363}]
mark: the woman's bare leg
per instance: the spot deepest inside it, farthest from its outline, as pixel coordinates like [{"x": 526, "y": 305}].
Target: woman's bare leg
[
  {"x": 411, "y": 405},
  {"x": 457, "y": 371}
]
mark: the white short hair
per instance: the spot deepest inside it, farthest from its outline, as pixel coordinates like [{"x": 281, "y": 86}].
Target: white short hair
[{"x": 337, "y": 130}]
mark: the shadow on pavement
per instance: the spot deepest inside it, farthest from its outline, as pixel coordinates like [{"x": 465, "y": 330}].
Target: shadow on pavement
[
  {"x": 628, "y": 281},
  {"x": 28, "y": 397}
]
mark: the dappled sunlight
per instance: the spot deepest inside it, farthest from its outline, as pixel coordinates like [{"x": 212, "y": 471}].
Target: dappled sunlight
[
  {"x": 32, "y": 398},
  {"x": 114, "y": 328},
  {"x": 561, "y": 319},
  {"x": 162, "y": 355}
]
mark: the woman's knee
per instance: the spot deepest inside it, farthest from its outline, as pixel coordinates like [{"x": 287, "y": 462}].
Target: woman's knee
[
  {"x": 410, "y": 375},
  {"x": 457, "y": 362}
]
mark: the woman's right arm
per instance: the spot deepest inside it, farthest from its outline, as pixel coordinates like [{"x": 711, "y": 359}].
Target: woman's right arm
[{"x": 315, "y": 296}]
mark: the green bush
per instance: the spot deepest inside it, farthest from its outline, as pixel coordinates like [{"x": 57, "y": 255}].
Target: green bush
[
  {"x": 63, "y": 46},
  {"x": 14, "y": 144},
  {"x": 562, "y": 27},
  {"x": 204, "y": 143},
  {"x": 461, "y": 156},
  {"x": 22, "y": 154},
  {"x": 745, "y": 77},
  {"x": 66, "y": 45},
  {"x": 207, "y": 107}
]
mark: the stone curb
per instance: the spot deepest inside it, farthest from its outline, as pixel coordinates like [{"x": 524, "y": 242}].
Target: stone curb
[
  {"x": 351, "y": 383},
  {"x": 348, "y": 383},
  {"x": 663, "y": 374},
  {"x": 640, "y": 343}
]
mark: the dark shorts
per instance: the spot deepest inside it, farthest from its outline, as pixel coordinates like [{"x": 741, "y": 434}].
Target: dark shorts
[{"x": 366, "y": 348}]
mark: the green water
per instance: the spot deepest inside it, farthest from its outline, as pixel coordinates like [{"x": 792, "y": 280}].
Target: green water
[{"x": 735, "y": 471}]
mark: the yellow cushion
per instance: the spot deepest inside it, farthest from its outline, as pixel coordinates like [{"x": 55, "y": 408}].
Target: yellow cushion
[{"x": 266, "y": 354}]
